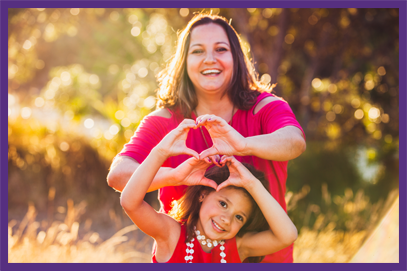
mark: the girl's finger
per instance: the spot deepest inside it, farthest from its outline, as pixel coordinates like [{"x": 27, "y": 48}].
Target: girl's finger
[
  {"x": 223, "y": 185},
  {"x": 208, "y": 182}
]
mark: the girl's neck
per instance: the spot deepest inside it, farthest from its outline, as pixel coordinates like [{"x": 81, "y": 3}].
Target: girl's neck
[
  {"x": 221, "y": 108},
  {"x": 204, "y": 247}
]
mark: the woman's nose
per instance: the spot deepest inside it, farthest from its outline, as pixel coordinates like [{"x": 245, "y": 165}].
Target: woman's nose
[{"x": 210, "y": 58}]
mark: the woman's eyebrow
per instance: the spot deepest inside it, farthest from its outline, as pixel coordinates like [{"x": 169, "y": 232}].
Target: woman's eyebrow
[{"x": 219, "y": 42}]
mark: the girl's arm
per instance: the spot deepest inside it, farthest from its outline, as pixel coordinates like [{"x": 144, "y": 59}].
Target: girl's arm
[
  {"x": 161, "y": 227},
  {"x": 282, "y": 231}
]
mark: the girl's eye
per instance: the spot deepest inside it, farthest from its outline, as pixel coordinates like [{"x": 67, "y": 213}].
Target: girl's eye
[
  {"x": 221, "y": 49},
  {"x": 197, "y": 51},
  {"x": 223, "y": 204},
  {"x": 239, "y": 217}
]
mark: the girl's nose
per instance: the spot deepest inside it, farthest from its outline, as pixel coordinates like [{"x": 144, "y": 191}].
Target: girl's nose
[{"x": 225, "y": 218}]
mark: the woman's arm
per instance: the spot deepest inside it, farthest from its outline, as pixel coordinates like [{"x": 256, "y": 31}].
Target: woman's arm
[
  {"x": 282, "y": 231},
  {"x": 281, "y": 145},
  {"x": 123, "y": 167}
]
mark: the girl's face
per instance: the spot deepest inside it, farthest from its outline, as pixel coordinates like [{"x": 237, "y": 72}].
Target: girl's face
[
  {"x": 223, "y": 213},
  {"x": 209, "y": 60}
]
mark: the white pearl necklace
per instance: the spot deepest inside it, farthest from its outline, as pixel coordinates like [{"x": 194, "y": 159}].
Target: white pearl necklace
[{"x": 208, "y": 242}]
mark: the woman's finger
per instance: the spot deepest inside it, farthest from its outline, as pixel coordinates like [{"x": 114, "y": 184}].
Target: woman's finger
[
  {"x": 191, "y": 152},
  {"x": 215, "y": 159},
  {"x": 208, "y": 152}
]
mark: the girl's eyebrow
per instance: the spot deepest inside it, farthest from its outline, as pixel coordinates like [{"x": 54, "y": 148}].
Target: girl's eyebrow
[{"x": 219, "y": 42}]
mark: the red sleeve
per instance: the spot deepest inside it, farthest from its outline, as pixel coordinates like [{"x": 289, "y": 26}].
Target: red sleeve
[
  {"x": 148, "y": 134},
  {"x": 276, "y": 115}
]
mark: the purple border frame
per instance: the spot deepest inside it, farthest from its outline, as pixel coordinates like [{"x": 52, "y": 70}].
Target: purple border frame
[{"x": 4, "y": 5}]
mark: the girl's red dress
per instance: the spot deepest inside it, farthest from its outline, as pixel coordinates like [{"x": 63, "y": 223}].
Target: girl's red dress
[{"x": 200, "y": 256}]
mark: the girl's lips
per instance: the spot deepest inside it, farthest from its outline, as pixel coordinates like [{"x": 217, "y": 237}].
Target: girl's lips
[{"x": 217, "y": 227}]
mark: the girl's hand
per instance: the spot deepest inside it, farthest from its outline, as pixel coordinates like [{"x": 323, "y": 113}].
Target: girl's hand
[
  {"x": 240, "y": 176},
  {"x": 192, "y": 172},
  {"x": 174, "y": 142},
  {"x": 226, "y": 140}
]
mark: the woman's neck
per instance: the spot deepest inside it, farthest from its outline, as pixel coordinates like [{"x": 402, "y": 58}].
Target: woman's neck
[{"x": 221, "y": 108}]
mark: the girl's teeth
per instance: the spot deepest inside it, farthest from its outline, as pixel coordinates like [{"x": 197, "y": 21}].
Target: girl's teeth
[{"x": 216, "y": 225}]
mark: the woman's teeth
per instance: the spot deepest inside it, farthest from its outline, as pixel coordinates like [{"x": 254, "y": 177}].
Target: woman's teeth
[{"x": 210, "y": 72}]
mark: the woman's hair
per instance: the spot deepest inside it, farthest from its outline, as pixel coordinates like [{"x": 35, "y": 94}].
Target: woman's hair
[
  {"x": 175, "y": 87},
  {"x": 186, "y": 209}
]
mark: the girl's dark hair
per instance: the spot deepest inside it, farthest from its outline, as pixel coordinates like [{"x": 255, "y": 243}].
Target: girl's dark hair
[
  {"x": 186, "y": 209},
  {"x": 176, "y": 89}
]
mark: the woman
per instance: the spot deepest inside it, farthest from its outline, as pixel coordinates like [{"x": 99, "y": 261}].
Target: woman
[{"x": 209, "y": 77}]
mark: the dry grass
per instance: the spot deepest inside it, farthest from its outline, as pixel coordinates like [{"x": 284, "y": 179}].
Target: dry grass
[{"x": 59, "y": 243}]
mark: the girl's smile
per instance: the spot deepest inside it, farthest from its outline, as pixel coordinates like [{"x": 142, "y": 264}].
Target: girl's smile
[{"x": 223, "y": 213}]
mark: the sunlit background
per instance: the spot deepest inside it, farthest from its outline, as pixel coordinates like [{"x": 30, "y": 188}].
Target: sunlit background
[{"x": 80, "y": 81}]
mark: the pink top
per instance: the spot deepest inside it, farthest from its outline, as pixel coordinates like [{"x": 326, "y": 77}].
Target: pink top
[
  {"x": 273, "y": 116},
  {"x": 200, "y": 256}
]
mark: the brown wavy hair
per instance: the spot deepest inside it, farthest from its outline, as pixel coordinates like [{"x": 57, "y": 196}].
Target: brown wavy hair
[
  {"x": 175, "y": 87},
  {"x": 186, "y": 209}
]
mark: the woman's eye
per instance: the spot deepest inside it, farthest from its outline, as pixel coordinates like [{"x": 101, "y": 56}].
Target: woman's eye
[
  {"x": 221, "y": 49},
  {"x": 223, "y": 204},
  {"x": 239, "y": 217},
  {"x": 197, "y": 51}
]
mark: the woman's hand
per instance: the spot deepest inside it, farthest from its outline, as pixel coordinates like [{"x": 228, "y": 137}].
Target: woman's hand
[
  {"x": 192, "y": 172},
  {"x": 174, "y": 142},
  {"x": 226, "y": 140},
  {"x": 239, "y": 176}
]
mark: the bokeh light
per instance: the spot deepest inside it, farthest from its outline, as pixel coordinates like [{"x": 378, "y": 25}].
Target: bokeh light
[
  {"x": 39, "y": 102},
  {"x": 149, "y": 102},
  {"x": 265, "y": 78},
  {"x": 74, "y": 11},
  {"x": 316, "y": 83},
  {"x": 374, "y": 113},
  {"x": 381, "y": 71},
  {"x": 184, "y": 12},
  {"x": 89, "y": 123},
  {"x": 26, "y": 112},
  {"x": 114, "y": 129},
  {"x": 64, "y": 146},
  {"x": 359, "y": 114},
  {"x": 289, "y": 39}
]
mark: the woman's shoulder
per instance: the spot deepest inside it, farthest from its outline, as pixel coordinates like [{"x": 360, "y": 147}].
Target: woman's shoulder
[
  {"x": 161, "y": 112},
  {"x": 264, "y": 99}
]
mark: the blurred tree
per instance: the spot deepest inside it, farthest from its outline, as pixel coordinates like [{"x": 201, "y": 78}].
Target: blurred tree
[{"x": 337, "y": 68}]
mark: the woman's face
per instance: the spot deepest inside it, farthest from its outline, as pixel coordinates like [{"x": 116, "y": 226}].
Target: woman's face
[
  {"x": 224, "y": 213},
  {"x": 209, "y": 60}
]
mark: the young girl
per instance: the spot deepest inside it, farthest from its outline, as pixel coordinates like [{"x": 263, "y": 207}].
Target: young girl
[{"x": 215, "y": 224}]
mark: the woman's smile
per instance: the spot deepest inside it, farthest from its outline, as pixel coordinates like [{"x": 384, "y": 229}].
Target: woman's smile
[{"x": 210, "y": 60}]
